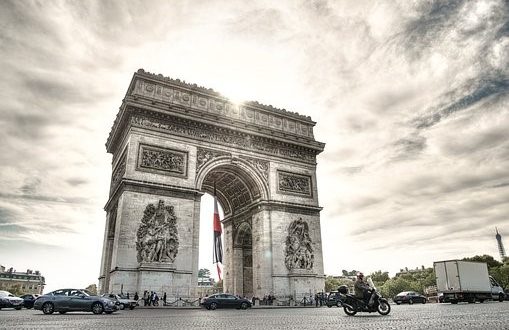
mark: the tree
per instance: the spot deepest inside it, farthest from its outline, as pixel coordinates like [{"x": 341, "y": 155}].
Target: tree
[
  {"x": 92, "y": 288},
  {"x": 331, "y": 283},
  {"x": 204, "y": 272},
  {"x": 379, "y": 277},
  {"x": 485, "y": 258}
]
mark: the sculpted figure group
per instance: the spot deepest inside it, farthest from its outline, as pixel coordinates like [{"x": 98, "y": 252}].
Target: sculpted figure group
[
  {"x": 299, "y": 251},
  {"x": 157, "y": 237}
]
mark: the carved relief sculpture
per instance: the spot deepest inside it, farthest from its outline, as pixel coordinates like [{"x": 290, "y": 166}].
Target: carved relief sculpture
[
  {"x": 162, "y": 160},
  {"x": 294, "y": 183},
  {"x": 157, "y": 236},
  {"x": 299, "y": 251}
]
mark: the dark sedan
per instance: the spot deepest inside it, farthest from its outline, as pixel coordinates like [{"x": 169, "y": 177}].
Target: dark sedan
[
  {"x": 225, "y": 300},
  {"x": 72, "y": 300},
  {"x": 334, "y": 299},
  {"x": 409, "y": 297},
  {"x": 29, "y": 299}
]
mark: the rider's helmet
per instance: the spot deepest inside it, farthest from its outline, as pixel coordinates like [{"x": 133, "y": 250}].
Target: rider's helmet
[
  {"x": 360, "y": 275},
  {"x": 343, "y": 289}
]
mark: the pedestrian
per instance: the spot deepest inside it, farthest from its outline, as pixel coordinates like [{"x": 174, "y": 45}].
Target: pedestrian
[
  {"x": 164, "y": 299},
  {"x": 155, "y": 302},
  {"x": 316, "y": 299},
  {"x": 128, "y": 295},
  {"x": 253, "y": 300},
  {"x": 136, "y": 297},
  {"x": 145, "y": 297}
]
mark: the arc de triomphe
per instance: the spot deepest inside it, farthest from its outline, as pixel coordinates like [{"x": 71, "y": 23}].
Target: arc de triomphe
[{"x": 171, "y": 142}]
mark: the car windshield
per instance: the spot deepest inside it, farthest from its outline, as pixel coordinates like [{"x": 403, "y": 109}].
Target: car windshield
[{"x": 5, "y": 294}]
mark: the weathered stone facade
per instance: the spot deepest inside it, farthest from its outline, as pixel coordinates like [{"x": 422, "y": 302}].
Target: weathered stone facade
[{"x": 173, "y": 141}]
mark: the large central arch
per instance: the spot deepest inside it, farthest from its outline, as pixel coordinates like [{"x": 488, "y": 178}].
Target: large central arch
[{"x": 171, "y": 142}]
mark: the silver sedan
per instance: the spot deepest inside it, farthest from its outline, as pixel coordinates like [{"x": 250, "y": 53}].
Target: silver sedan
[{"x": 73, "y": 300}]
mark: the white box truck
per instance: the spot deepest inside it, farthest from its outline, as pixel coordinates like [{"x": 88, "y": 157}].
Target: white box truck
[{"x": 468, "y": 281}]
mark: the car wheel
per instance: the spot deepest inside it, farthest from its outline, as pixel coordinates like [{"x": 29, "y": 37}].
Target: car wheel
[
  {"x": 398, "y": 302},
  {"x": 97, "y": 308},
  {"x": 213, "y": 306},
  {"x": 48, "y": 308},
  {"x": 131, "y": 307},
  {"x": 423, "y": 300},
  {"x": 207, "y": 307},
  {"x": 349, "y": 311},
  {"x": 62, "y": 312},
  {"x": 108, "y": 312},
  {"x": 122, "y": 307},
  {"x": 338, "y": 304},
  {"x": 17, "y": 308},
  {"x": 411, "y": 302},
  {"x": 329, "y": 306},
  {"x": 501, "y": 297},
  {"x": 243, "y": 305}
]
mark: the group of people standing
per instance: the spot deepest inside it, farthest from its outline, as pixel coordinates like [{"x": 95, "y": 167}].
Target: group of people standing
[{"x": 150, "y": 298}]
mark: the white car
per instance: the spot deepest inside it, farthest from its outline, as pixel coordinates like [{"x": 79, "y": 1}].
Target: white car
[
  {"x": 8, "y": 300},
  {"x": 122, "y": 301}
]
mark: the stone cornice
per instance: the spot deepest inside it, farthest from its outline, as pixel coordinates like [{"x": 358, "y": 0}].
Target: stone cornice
[{"x": 181, "y": 99}]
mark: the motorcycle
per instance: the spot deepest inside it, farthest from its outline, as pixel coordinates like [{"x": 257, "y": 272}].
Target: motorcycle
[{"x": 353, "y": 305}]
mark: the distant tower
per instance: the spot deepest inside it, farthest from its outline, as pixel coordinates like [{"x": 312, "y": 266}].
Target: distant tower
[{"x": 501, "y": 249}]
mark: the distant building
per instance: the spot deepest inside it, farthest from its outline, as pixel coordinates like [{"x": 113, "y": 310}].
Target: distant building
[
  {"x": 501, "y": 249},
  {"x": 27, "y": 282},
  {"x": 206, "y": 286}
]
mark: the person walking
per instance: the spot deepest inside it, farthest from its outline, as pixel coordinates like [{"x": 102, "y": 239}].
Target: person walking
[
  {"x": 145, "y": 298},
  {"x": 164, "y": 299},
  {"x": 136, "y": 297}
]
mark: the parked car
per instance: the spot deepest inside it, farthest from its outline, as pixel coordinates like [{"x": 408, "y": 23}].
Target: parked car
[
  {"x": 122, "y": 301},
  {"x": 71, "y": 300},
  {"x": 409, "y": 297},
  {"x": 225, "y": 300},
  {"x": 8, "y": 300},
  {"x": 29, "y": 299},
  {"x": 334, "y": 299}
]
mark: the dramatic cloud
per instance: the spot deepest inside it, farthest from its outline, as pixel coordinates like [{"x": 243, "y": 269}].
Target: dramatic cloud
[{"x": 411, "y": 99}]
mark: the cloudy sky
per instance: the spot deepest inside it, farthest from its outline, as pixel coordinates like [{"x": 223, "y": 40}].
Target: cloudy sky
[{"x": 410, "y": 97}]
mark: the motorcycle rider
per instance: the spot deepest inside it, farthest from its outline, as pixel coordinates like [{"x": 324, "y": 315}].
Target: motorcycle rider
[{"x": 362, "y": 289}]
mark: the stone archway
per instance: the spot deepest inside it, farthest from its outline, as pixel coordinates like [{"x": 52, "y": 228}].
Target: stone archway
[{"x": 173, "y": 141}]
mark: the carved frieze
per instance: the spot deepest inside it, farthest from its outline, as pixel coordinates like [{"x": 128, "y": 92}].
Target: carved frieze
[
  {"x": 205, "y": 155},
  {"x": 157, "y": 236},
  {"x": 298, "y": 247},
  {"x": 250, "y": 112},
  {"x": 162, "y": 160},
  {"x": 292, "y": 183},
  {"x": 231, "y": 138},
  {"x": 118, "y": 171},
  {"x": 261, "y": 165}
]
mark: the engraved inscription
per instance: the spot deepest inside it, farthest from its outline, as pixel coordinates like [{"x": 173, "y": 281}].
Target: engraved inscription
[{"x": 294, "y": 183}]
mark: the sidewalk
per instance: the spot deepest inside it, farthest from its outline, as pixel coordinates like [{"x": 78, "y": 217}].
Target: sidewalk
[{"x": 254, "y": 307}]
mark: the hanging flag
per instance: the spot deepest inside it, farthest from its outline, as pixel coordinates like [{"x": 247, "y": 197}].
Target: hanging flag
[{"x": 218, "y": 246}]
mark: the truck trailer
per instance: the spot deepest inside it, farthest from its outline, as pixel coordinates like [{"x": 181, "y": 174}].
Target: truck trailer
[{"x": 467, "y": 281}]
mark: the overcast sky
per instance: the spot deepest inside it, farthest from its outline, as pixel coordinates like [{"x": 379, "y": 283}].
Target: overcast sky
[{"x": 410, "y": 97}]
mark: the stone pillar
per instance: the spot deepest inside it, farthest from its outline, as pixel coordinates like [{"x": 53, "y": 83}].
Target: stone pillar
[{"x": 237, "y": 269}]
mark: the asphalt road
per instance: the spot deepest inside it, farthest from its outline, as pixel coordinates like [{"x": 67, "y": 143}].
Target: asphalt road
[{"x": 490, "y": 315}]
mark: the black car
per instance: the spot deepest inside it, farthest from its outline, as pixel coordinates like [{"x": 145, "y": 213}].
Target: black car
[
  {"x": 409, "y": 297},
  {"x": 334, "y": 299},
  {"x": 225, "y": 300},
  {"x": 29, "y": 299}
]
